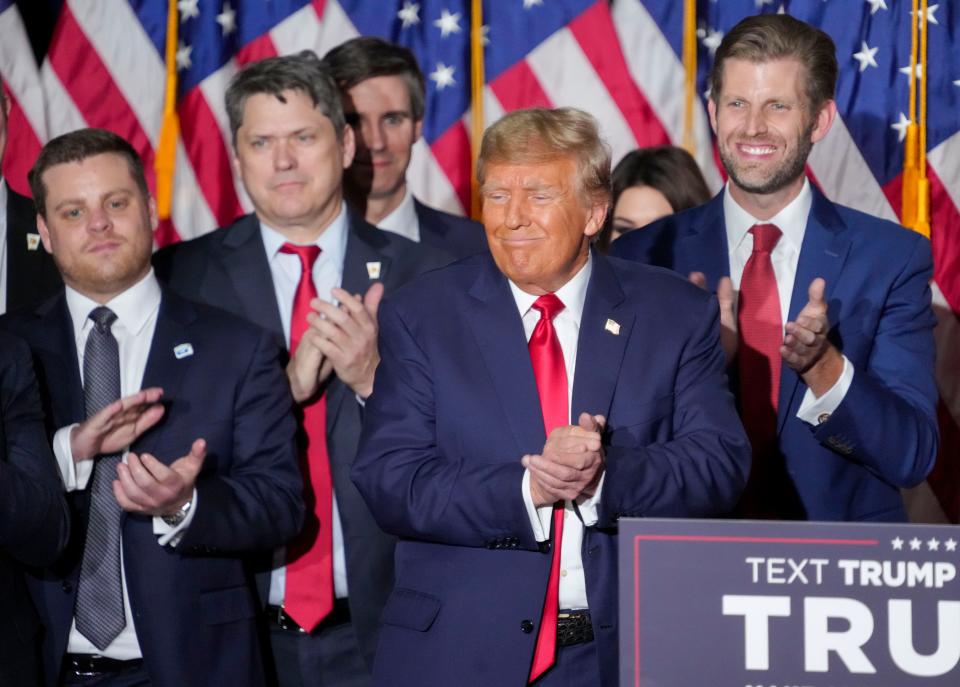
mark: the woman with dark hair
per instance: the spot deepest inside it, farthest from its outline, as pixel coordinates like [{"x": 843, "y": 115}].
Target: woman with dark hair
[{"x": 649, "y": 183}]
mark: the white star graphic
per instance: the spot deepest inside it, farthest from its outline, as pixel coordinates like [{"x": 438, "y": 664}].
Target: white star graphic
[
  {"x": 897, "y": 544},
  {"x": 448, "y": 23},
  {"x": 183, "y": 56},
  {"x": 931, "y": 18},
  {"x": 527, "y": 4},
  {"x": 901, "y": 128},
  {"x": 876, "y": 5},
  {"x": 188, "y": 9},
  {"x": 761, "y": 3},
  {"x": 914, "y": 544},
  {"x": 950, "y": 544},
  {"x": 227, "y": 19},
  {"x": 485, "y": 34},
  {"x": 933, "y": 544},
  {"x": 782, "y": 9},
  {"x": 866, "y": 56},
  {"x": 409, "y": 14},
  {"x": 906, "y": 70},
  {"x": 957, "y": 82},
  {"x": 443, "y": 76},
  {"x": 712, "y": 40}
]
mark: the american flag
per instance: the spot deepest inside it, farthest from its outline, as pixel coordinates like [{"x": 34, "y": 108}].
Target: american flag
[{"x": 620, "y": 60}]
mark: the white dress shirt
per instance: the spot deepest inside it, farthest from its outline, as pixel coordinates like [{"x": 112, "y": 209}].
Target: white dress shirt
[
  {"x": 566, "y": 323},
  {"x": 403, "y": 220},
  {"x": 3, "y": 246},
  {"x": 286, "y": 269},
  {"x": 136, "y": 310},
  {"x": 792, "y": 222}
]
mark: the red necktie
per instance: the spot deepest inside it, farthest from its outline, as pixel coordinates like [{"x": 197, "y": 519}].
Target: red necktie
[
  {"x": 551, "y": 375},
  {"x": 309, "y": 586},
  {"x": 760, "y": 331}
]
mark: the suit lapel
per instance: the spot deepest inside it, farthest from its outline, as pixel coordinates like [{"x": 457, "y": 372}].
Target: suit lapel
[
  {"x": 363, "y": 264},
  {"x": 245, "y": 260},
  {"x": 593, "y": 384},
  {"x": 498, "y": 330},
  {"x": 57, "y": 349},
  {"x": 163, "y": 368},
  {"x": 823, "y": 253},
  {"x": 703, "y": 245}
]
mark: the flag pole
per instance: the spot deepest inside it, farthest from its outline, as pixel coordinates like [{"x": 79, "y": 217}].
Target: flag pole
[
  {"x": 922, "y": 224},
  {"x": 690, "y": 73},
  {"x": 476, "y": 100},
  {"x": 165, "y": 160}
]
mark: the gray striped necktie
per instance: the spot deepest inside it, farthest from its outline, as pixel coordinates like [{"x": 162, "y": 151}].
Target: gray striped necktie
[{"x": 99, "y": 606}]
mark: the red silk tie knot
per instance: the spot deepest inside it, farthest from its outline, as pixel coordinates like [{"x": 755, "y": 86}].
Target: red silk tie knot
[
  {"x": 765, "y": 237},
  {"x": 306, "y": 291},
  {"x": 548, "y": 305}
]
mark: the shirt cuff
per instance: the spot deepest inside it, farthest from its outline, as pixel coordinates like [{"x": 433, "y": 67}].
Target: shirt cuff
[
  {"x": 75, "y": 476},
  {"x": 540, "y": 518},
  {"x": 587, "y": 505},
  {"x": 172, "y": 534},
  {"x": 361, "y": 400},
  {"x": 815, "y": 411}
]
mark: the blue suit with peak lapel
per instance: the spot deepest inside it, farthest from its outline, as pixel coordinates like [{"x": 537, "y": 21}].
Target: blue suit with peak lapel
[
  {"x": 228, "y": 268},
  {"x": 883, "y": 436},
  {"x": 34, "y": 520},
  {"x": 455, "y": 407},
  {"x": 193, "y": 606},
  {"x": 459, "y": 236}
]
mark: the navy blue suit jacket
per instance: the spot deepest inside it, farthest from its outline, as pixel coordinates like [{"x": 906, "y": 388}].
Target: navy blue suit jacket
[
  {"x": 455, "y": 407},
  {"x": 883, "y": 436},
  {"x": 458, "y": 236},
  {"x": 193, "y": 605},
  {"x": 228, "y": 268},
  {"x": 34, "y": 521},
  {"x": 32, "y": 276}
]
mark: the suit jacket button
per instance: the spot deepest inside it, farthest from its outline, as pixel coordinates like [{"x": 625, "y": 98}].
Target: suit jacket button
[
  {"x": 526, "y": 626},
  {"x": 66, "y": 586}
]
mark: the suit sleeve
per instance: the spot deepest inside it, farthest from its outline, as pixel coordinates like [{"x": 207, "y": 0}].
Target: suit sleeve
[
  {"x": 703, "y": 466},
  {"x": 256, "y": 503},
  {"x": 415, "y": 488},
  {"x": 34, "y": 519},
  {"x": 887, "y": 421}
]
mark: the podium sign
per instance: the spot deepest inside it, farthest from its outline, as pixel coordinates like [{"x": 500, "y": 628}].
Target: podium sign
[{"x": 778, "y": 604}]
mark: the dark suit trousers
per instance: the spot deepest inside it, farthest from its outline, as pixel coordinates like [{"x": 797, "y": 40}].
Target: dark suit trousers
[{"x": 329, "y": 657}]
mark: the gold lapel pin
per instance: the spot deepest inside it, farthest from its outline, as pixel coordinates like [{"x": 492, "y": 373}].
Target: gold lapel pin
[
  {"x": 33, "y": 241},
  {"x": 613, "y": 327},
  {"x": 373, "y": 270}
]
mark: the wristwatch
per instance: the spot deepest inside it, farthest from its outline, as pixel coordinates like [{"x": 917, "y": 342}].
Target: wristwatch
[{"x": 174, "y": 519}]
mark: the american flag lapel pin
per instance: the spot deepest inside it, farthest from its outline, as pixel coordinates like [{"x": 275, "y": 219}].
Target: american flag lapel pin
[
  {"x": 33, "y": 241},
  {"x": 613, "y": 327},
  {"x": 373, "y": 269}
]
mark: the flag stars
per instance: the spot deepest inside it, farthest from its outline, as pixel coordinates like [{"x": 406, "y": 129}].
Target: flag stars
[
  {"x": 950, "y": 544},
  {"x": 189, "y": 9},
  {"x": 712, "y": 39},
  {"x": 761, "y": 3},
  {"x": 409, "y": 14},
  {"x": 527, "y": 4},
  {"x": 227, "y": 19},
  {"x": 915, "y": 544},
  {"x": 906, "y": 71},
  {"x": 448, "y": 23},
  {"x": 897, "y": 544},
  {"x": 876, "y": 6},
  {"x": 931, "y": 14},
  {"x": 443, "y": 76},
  {"x": 485, "y": 34},
  {"x": 933, "y": 544},
  {"x": 867, "y": 56},
  {"x": 183, "y": 56},
  {"x": 901, "y": 128}
]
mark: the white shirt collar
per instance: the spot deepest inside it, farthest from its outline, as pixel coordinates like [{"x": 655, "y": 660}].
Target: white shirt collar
[
  {"x": 332, "y": 240},
  {"x": 403, "y": 219},
  {"x": 573, "y": 294},
  {"x": 791, "y": 220},
  {"x": 133, "y": 308}
]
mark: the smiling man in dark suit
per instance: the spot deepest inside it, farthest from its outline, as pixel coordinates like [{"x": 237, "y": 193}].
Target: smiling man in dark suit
[
  {"x": 27, "y": 273},
  {"x": 152, "y": 586},
  {"x": 313, "y": 272},
  {"x": 547, "y": 392}
]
